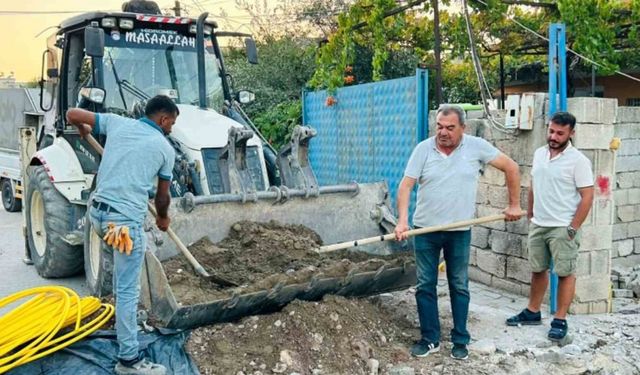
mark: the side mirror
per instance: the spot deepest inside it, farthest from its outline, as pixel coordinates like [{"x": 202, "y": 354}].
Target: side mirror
[
  {"x": 245, "y": 96},
  {"x": 94, "y": 40},
  {"x": 252, "y": 51},
  {"x": 91, "y": 94}
]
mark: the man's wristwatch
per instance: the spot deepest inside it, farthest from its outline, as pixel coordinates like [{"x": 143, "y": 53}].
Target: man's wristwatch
[{"x": 572, "y": 231}]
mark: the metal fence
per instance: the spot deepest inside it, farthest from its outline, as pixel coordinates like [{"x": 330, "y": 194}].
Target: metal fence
[{"x": 369, "y": 134}]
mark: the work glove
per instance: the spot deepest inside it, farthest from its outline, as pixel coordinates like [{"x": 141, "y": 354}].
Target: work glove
[{"x": 117, "y": 236}]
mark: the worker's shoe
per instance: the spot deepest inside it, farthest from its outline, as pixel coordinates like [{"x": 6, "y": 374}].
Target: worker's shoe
[
  {"x": 142, "y": 367},
  {"x": 459, "y": 351},
  {"x": 526, "y": 317},
  {"x": 558, "y": 331},
  {"x": 423, "y": 348}
]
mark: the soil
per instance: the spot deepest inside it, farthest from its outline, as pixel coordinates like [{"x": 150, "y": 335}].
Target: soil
[
  {"x": 258, "y": 256},
  {"x": 333, "y": 336}
]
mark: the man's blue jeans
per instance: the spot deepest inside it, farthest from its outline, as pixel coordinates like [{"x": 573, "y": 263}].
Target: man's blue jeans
[
  {"x": 455, "y": 246},
  {"x": 126, "y": 279}
]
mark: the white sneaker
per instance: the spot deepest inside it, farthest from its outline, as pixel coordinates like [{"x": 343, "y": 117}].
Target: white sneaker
[{"x": 142, "y": 367}]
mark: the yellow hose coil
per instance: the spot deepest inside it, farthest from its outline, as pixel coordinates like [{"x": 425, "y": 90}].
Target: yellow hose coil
[{"x": 36, "y": 327}]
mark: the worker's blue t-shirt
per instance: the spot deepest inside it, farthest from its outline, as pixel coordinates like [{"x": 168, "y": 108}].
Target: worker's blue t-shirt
[{"x": 136, "y": 153}]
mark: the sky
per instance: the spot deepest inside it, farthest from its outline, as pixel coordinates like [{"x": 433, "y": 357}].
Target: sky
[{"x": 21, "y": 51}]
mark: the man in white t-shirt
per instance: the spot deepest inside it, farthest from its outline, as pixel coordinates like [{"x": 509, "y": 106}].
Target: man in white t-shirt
[
  {"x": 446, "y": 168},
  {"x": 560, "y": 198}
]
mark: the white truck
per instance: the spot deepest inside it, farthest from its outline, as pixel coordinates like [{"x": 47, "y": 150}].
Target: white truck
[{"x": 18, "y": 107}]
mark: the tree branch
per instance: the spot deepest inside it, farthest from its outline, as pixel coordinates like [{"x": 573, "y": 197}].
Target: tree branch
[
  {"x": 530, "y": 3},
  {"x": 392, "y": 12}
]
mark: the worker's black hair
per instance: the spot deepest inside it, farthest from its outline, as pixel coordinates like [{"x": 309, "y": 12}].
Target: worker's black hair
[
  {"x": 161, "y": 103},
  {"x": 564, "y": 118}
]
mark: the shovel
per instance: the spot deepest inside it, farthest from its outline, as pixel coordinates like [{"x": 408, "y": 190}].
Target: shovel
[
  {"x": 183, "y": 249},
  {"x": 410, "y": 233}
]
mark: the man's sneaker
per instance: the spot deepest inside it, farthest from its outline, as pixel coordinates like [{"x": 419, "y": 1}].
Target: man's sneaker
[
  {"x": 558, "y": 331},
  {"x": 423, "y": 348},
  {"x": 459, "y": 351},
  {"x": 526, "y": 318},
  {"x": 142, "y": 367}
]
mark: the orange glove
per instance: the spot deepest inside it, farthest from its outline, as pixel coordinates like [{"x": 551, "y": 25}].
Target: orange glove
[{"x": 118, "y": 237}]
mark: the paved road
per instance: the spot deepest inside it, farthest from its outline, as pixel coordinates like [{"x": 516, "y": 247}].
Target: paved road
[{"x": 14, "y": 274}]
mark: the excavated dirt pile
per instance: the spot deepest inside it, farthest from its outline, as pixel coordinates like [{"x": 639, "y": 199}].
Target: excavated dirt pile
[
  {"x": 334, "y": 336},
  {"x": 258, "y": 256}
]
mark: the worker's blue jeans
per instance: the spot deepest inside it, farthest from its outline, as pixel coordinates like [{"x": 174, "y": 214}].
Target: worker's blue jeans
[
  {"x": 455, "y": 246},
  {"x": 126, "y": 279}
]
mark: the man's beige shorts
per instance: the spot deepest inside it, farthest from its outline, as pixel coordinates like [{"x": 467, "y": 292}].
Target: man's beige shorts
[{"x": 546, "y": 243}]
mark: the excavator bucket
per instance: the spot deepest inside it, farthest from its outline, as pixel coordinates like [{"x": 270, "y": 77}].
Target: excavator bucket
[{"x": 336, "y": 213}]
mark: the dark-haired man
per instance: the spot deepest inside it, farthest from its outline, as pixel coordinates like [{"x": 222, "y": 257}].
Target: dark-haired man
[
  {"x": 136, "y": 153},
  {"x": 560, "y": 198}
]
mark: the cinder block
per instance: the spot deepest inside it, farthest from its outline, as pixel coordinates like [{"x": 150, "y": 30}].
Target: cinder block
[
  {"x": 627, "y": 130},
  {"x": 621, "y": 197},
  {"x": 596, "y": 237},
  {"x": 629, "y": 147},
  {"x": 593, "y": 136},
  {"x": 620, "y": 231},
  {"x": 628, "y": 213},
  {"x": 518, "y": 227},
  {"x": 510, "y": 286},
  {"x": 493, "y": 176},
  {"x": 473, "y": 256},
  {"x": 634, "y": 229},
  {"x": 484, "y": 210},
  {"x": 622, "y": 293},
  {"x": 628, "y": 114},
  {"x": 518, "y": 269},
  {"x": 525, "y": 176},
  {"x": 492, "y": 263},
  {"x": 480, "y": 237},
  {"x": 508, "y": 243},
  {"x": 584, "y": 263},
  {"x": 633, "y": 196},
  {"x": 498, "y": 196},
  {"x": 636, "y": 246},
  {"x": 578, "y": 308},
  {"x": 627, "y": 163},
  {"x": 591, "y": 288},
  {"x": 602, "y": 211},
  {"x": 599, "y": 307},
  {"x": 604, "y": 164},
  {"x": 623, "y": 248},
  {"x": 626, "y": 180},
  {"x": 482, "y": 194},
  {"x": 593, "y": 110},
  {"x": 476, "y": 274},
  {"x": 600, "y": 262}
]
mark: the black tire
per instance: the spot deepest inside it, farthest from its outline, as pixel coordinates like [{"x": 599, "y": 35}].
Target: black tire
[
  {"x": 9, "y": 200},
  {"x": 48, "y": 216},
  {"x": 98, "y": 262}
]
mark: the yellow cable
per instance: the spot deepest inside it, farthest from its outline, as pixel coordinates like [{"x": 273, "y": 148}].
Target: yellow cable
[{"x": 32, "y": 330}]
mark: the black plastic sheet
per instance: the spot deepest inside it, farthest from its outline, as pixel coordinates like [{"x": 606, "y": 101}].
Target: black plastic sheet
[{"x": 97, "y": 355}]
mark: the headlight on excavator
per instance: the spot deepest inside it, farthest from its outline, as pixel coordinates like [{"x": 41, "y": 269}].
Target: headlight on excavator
[
  {"x": 108, "y": 22},
  {"x": 193, "y": 28},
  {"x": 126, "y": 24}
]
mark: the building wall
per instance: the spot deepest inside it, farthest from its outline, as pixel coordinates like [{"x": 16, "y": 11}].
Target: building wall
[
  {"x": 615, "y": 86},
  {"x": 626, "y": 230}
]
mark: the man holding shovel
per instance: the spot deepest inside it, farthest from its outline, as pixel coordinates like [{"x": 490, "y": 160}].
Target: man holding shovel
[
  {"x": 446, "y": 167},
  {"x": 135, "y": 155}
]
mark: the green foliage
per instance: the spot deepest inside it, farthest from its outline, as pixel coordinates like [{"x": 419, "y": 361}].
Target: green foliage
[{"x": 276, "y": 123}]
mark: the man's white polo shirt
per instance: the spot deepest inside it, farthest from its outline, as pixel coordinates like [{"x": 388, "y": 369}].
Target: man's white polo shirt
[{"x": 555, "y": 185}]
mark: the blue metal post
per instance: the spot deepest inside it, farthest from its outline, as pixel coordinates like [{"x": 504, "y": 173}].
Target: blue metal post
[
  {"x": 422, "y": 97},
  {"x": 557, "y": 85}
]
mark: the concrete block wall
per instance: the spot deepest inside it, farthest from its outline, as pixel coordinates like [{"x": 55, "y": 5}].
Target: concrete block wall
[
  {"x": 626, "y": 228},
  {"x": 499, "y": 253}
]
